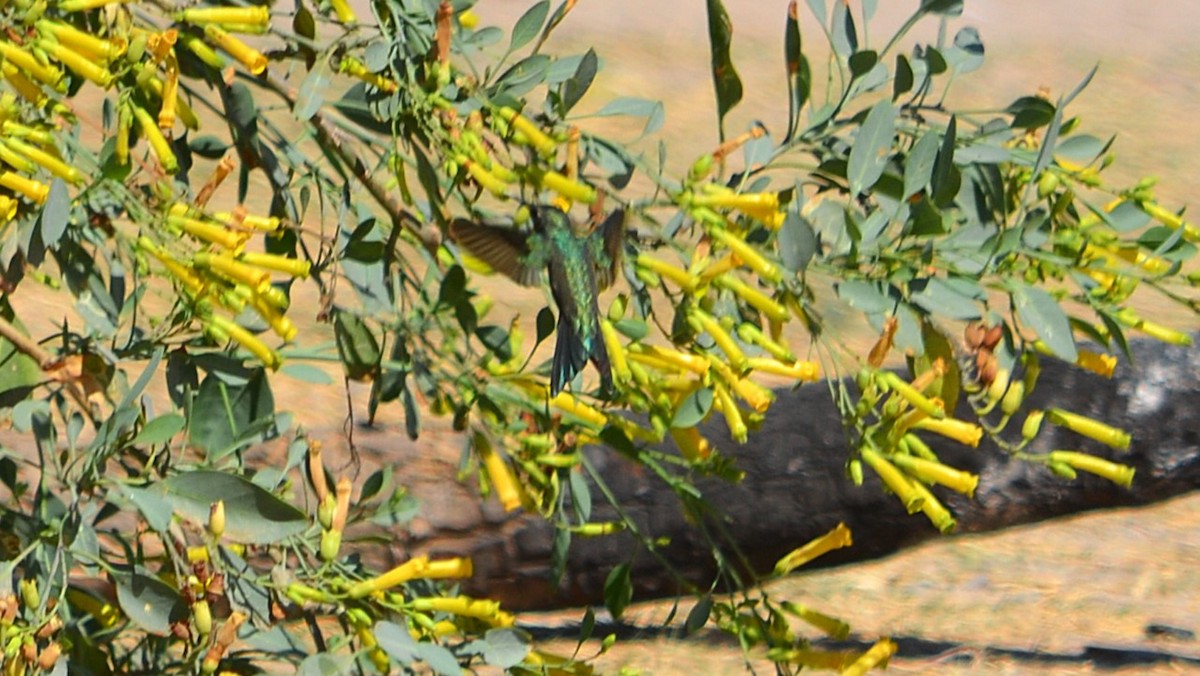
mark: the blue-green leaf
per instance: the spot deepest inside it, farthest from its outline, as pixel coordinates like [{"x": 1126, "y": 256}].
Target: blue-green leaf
[
  {"x": 872, "y": 147},
  {"x": 1039, "y": 311},
  {"x": 918, "y": 166},
  {"x": 528, "y": 26},
  {"x": 252, "y": 515},
  {"x": 692, "y": 410},
  {"x": 506, "y": 647},
  {"x": 150, "y": 603}
]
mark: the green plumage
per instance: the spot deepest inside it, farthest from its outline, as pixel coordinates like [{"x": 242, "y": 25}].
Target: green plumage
[{"x": 578, "y": 268}]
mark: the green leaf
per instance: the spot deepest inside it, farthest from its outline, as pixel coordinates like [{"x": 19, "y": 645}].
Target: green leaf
[
  {"x": 441, "y": 660},
  {"x": 223, "y": 414},
  {"x": 252, "y": 515},
  {"x": 545, "y": 324},
  {"x": 799, "y": 75},
  {"x": 634, "y": 329},
  {"x": 306, "y": 373},
  {"x": 970, "y": 47},
  {"x": 1045, "y": 153},
  {"x": 725, "y": 78},
  {"x": 845, "y": 35},
  {"x": 918, "y": 166},
  {"x": 160, "y": 430},
  {"x": 152, "y": 505},
  {"x": 326, "y": 664},
  {"x": 1039, "y": 311},
  {"x": 903, "y": 81},
  {"x": 357, "y": 345},
  {"x": 574, "y": 88},
  {"x": 618, "y": 591},
  {"x": 56, "y": 213},
  {"x": 209, "y": 147},
  {"x": 1082, "y": 149},
  {"x": 1031, "y": 112},
  {"x": 946, "y": 178},
  {"x": 529, "y": 25},
  {"x": 523, "y": 76},
  {"x": 797, "y": 241},
  {"x": 864, "y": 296},
  {"x": 862, "y": 63},
  {"x": 937, "y": 297},
  {"x": 872, "y": 147},
  {"x": 692, "y": 410},
  {"x": 19, "y": 372},
  {"x": 581, "y": 495},
  {"x": 312, "y": 93},
  {"x": 396, "y": 642},
  {"x": 150, "y": 603},
  {"x": 698, "y": 616},
  {"x": 506, "y": 647}
]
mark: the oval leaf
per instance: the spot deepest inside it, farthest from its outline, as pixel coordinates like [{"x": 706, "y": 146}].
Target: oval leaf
[
  {"x": 1038, "y": 310},
  {"x": 872, "y": 147},
  {"x": 506, "y": 647},
  {"x": 252, "y": 515},
  {"x": 150, "y": 603}
]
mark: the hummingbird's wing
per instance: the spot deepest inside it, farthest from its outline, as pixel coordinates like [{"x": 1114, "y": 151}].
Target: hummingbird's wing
[
  {"x": 505, "y": 250},
  {"x": 610, "y": 238}
]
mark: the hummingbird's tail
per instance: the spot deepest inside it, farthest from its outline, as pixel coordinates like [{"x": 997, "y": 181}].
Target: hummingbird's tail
[{"x": 571, "y": 354}]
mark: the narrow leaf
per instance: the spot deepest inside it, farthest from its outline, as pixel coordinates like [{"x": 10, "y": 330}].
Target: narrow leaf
[
  {"x": 529, "y": 25},
  {"x": 725, "y": 77}
]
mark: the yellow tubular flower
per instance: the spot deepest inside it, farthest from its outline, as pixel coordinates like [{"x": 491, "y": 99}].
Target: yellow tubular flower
[
  {"x": 757, "y": 299},
  {"x": 1122, "y": 475},
  {"x": 160, "y": 44},
  {"x": 968, "y": 434},
  {"x": 748, "y": 255},
  {"x": 832, "y": 627},
  {"x": 28, "y": 89},
  {"x": 260, "y": 223},
  {"x": 279, "y": 323},
  {"x": 572, "y": 190},
  {"x": 16, "y": 161},
  {"x": 486, "y": 610},
  {"x": 693, "y": 446},
  {"x": 170, "y": 94},
  {"x": 676, "y": 274},
  {"x": 687, "y": 362},
  {"x": 507, "y": 488},
  {"x": 289, "y": 266},
  {"x": 485, "y": 179},
  {"x": 894, "y": 479},
  {"x": 1163, "y": 333},
  {"x": 356, "y": 69},
  {"x": 71, "y": 6},
  {"x": 251, "y": 58},
  {"x": 158, "y": 142},
  {"x": 733, "y": 415},
  {"x": 616, "y": 352},
  {"x": 266, "y": 355},
  {"x": 90, "y": 46},
  {"x": 837, "y": 538},
  {"x": 935, "y": 472},
  {"x": 29, "y": 65},
  {"x": 567, "y": 402},
  {"x": 343, "y": 11},
  {"x": 719, "y": 267},
  {"x": 211, "y": 233},
  {"x": 934, "y": 510},
  {"x": 892, "y": 381},
  {"x": 750, "y": 333},
  {"x": 47, "y": 161},
  {"x": 702, "y": 321},
  {"x": 877, "y": 655},
  {"x": 757, "y": 202},
  {"x": 233, "y": 269},
  {"x": 1092, "y": 429},
  {"x": 124, "y": 123},
  {"x": 78, "y": 63},
  {"x": 34, "y": 190},
  {"x": 758, "y": 397},
  {"x": 807, "y": 371},
  {"x": 8, "y": 208},
  {"x": 253, "y": 16},
  {"x": 1171, "y": 220},
  {"x": 202, "y": 51},
  {"x": 537, "y": 139},
  {"x": 1100, "y": 364}
]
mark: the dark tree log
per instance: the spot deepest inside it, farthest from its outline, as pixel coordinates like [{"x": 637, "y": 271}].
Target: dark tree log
[{"x": 795, "y": 489}]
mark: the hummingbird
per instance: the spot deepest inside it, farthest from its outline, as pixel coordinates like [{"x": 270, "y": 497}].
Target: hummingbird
[{"x": 579, "y": 267}]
